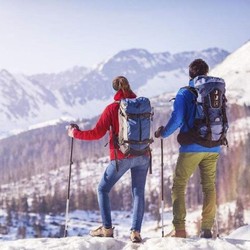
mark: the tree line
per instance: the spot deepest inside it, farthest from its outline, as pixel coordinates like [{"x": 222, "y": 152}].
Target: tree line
[{"x": 41, "y": 150}]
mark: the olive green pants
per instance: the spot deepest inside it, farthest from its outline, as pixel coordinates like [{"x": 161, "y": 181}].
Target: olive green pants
[{"x": 185, "y": 167}]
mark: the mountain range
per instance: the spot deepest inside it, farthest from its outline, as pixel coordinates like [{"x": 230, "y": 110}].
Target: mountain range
[
  {"x": 36, "y": 161},
  {"x": 27, "y": 101}
]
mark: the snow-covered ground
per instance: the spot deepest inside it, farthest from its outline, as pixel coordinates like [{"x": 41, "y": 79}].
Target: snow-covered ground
[
  {"x": 89, "y": 243},
  {"x": 151, "y": 233}
]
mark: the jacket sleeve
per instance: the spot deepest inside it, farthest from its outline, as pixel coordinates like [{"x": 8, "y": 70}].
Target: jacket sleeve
[
  {"x": 100, "y": 129},
  {"x": 177, "y": 117}
]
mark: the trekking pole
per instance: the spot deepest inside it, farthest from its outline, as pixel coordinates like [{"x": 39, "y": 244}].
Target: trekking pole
[
  {"x": 162, "y": 193},
  {"x": 67, "y": 202}
]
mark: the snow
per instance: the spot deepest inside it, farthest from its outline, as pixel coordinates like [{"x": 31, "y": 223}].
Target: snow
[
  {"x": 235, "y": 70},
  {"x": 31, "y": 100},
  {"x": 82, "y": 221},
  {"x": 242, "y": 233},
  {"x": 152, "y": 243},
  {"x": 164, "y": 82},
  {"x": 51, "y": 122}
]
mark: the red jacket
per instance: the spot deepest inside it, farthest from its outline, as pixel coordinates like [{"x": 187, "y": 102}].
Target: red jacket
[{"x": 108, "y": 120}]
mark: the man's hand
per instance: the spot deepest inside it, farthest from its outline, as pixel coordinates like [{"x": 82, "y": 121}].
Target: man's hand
[{"x": 158, "y": 132}]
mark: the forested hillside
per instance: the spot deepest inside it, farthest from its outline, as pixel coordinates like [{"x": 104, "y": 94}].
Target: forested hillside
[
  {"x": 35, "y": 164},
  {"x": 41, "y": 150}
]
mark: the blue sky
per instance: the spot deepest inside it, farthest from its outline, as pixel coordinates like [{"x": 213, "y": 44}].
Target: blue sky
[{"x": 53, "y": 35}]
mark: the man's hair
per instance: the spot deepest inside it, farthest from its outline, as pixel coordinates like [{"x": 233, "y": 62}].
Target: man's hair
[
  {"x": 197, "y": 68},
  {"x": 121, "y": 82}
]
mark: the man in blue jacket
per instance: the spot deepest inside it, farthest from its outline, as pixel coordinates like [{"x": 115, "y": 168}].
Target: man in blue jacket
[{"x": 191, "y": 156}]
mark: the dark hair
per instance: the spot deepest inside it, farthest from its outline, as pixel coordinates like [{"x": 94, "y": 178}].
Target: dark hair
[
  {"x": 197, "y": 68},
  {"x": 121, "y": 82}
]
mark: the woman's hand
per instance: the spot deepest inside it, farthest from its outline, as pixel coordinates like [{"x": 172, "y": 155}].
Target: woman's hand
[{"x": 71, "y": 131}]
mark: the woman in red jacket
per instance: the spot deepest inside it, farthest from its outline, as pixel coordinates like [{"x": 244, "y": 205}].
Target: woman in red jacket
[{"x": 138, "y": 165}]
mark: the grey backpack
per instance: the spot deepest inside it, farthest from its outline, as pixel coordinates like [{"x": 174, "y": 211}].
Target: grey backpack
[
  {"x": 210, "y": 123},
  {"x": 135, "y": 118}
]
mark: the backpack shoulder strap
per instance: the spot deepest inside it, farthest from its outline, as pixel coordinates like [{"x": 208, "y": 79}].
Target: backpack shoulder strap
[{"x": 192, "y": 90}]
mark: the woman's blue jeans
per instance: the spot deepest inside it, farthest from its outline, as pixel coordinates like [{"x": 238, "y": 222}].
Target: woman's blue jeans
[{"x": 139, "y": 168}]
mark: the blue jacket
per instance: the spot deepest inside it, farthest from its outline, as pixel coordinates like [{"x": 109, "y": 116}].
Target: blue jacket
[{"x": 183, "y": 117}]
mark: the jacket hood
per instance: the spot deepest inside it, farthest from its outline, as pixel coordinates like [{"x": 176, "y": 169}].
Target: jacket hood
[{"x": 121, "y": 95}]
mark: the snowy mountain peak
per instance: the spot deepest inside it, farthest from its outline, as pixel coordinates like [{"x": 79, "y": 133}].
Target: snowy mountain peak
[
  {"x": 235, "y": 69},
  {"x": 132, "y": 52},
  {"x": 238, "y": 61},
  {"x": 58, "y": 80},
  {"x": 5, "y": 75},
  {"x": 80, "y": 92}
]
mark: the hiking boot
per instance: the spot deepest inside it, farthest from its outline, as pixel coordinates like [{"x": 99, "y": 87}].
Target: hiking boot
[
  {"x": 206, "y": 233},
  {"x": 135, "y": 236},
  {"x": 102, "y": 232},
  {"x": 179, "y": 233}
]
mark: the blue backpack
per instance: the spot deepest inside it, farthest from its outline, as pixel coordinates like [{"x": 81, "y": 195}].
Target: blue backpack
[
  {"x": 210, "y": 123},
  {"x": 135, "y": 117}
]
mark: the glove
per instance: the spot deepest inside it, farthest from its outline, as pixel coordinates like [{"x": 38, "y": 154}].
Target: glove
[{"x": 158, "y": 132}]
